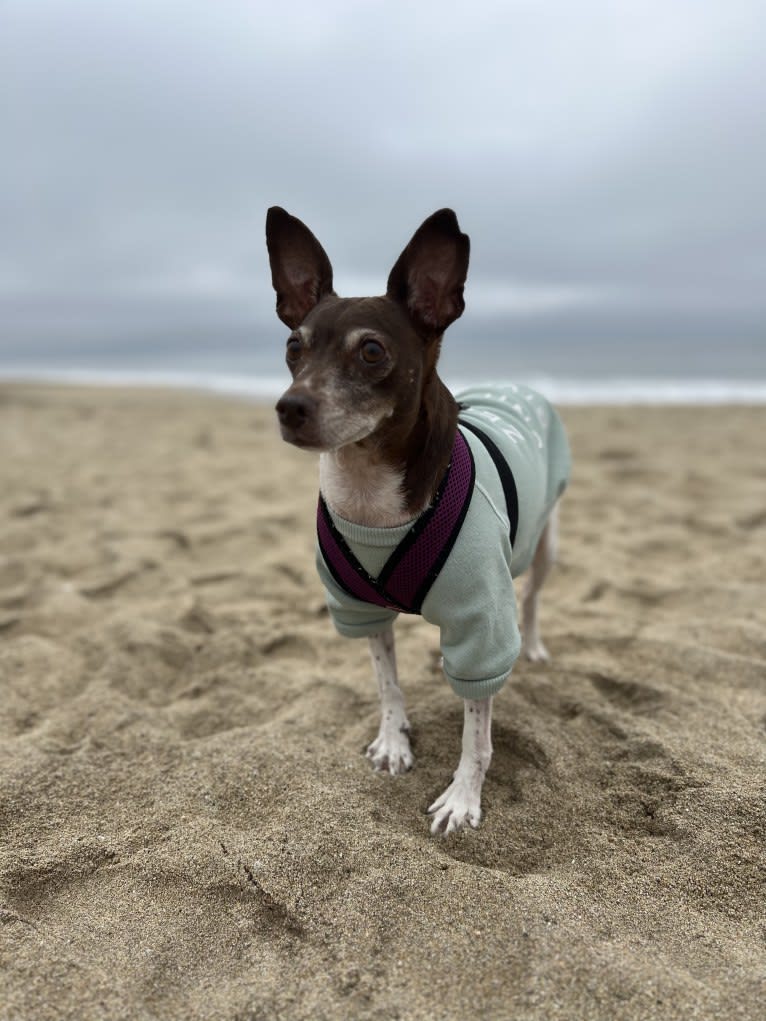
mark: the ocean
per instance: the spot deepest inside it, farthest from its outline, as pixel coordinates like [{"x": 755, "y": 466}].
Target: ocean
[{"x": 577, "y": 372}]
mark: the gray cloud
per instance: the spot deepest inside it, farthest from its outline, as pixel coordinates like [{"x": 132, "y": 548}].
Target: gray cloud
[{"x": 606, "y": 158}]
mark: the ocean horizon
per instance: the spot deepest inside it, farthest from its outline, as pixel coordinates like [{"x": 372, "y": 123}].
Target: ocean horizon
[
  {"x": 560, "y": 390},
  {"x": 249, "y": 363}
]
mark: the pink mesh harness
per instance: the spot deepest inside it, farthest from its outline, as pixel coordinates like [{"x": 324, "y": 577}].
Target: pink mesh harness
[{"x": 414, "y": 565}]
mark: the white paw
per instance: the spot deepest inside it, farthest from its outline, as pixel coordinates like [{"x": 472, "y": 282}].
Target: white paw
[
  {"x": 460, "y": 804},
  {"x": 535, "y": 651},
  {"x": 390, "y": 752}
]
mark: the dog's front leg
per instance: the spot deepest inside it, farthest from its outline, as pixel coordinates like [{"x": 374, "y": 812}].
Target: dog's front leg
[
  {"x": 461, "y": 802},
  {"x": 390, "y": 751}
]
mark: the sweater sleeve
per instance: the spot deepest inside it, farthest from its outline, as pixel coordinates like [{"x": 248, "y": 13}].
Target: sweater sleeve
[
  {"x": 351, "y": 617},
  {"x": 475, "y": 609}
]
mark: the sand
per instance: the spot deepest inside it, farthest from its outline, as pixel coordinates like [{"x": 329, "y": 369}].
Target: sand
[{"x": 189, "y": 828}]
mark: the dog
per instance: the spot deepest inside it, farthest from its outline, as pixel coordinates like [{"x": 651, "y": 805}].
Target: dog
[{"x": 428, "y": 504}]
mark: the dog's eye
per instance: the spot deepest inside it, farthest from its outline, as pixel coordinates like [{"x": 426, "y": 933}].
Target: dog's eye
[
  {"x": 294, "y": 347},
  {"x": 372, "y": 352}
]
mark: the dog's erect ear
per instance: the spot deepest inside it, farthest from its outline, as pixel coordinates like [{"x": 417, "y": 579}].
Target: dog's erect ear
[
  {"x": 301, "y": 273},
  {"x": 429, "y": 275}
]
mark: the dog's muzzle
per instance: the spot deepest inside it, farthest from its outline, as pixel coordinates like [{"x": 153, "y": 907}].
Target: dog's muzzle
[{"x": 297, "y": 413}]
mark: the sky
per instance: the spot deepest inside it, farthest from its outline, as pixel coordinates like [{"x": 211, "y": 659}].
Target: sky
[{"x": 607, "y": 160}]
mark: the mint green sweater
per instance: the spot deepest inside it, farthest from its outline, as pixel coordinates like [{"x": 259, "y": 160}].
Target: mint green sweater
[{"x": 472, "y": 600}]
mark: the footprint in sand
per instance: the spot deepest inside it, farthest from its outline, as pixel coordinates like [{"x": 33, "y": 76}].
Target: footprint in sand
[{"x": 633, "y": 695}]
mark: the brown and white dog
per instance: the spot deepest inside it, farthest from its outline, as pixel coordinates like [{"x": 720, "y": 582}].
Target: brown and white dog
[{"x": 366, "y": 395}]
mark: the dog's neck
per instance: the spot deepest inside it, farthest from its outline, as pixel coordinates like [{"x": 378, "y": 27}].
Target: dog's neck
[{"x": 391, "y": 477}]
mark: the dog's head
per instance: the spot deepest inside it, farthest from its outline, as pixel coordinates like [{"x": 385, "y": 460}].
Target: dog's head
[{"x": 360, "y": 363}]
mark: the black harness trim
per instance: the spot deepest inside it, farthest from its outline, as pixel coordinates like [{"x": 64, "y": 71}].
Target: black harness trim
[{"x": 507, "y": 480}]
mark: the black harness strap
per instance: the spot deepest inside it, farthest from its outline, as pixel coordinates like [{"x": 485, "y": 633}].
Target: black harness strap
[{"x": 507, "y": 480}]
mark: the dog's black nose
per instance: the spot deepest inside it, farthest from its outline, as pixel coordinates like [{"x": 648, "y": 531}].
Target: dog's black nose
[{"x": 295, "y": 410}]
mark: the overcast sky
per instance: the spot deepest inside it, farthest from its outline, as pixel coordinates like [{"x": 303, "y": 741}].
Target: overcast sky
[{"x": 606, "y": 158}]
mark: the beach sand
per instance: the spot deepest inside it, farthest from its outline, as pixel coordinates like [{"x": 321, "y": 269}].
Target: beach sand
[{"x": 189, "y": 828}]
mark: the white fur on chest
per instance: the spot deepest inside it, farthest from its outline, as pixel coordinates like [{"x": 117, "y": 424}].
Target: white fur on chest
[{"x": 362, "y": 492}]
